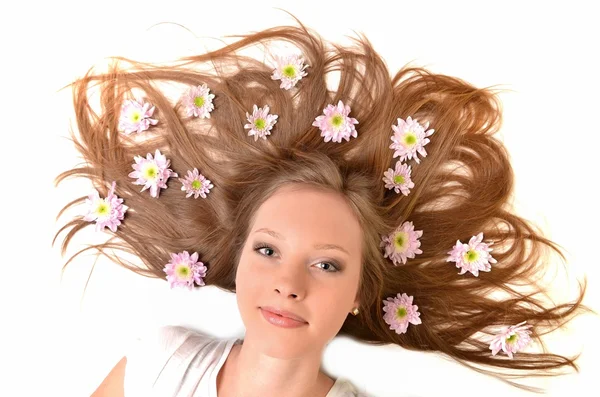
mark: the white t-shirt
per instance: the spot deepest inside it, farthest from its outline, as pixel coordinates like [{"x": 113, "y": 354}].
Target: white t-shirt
[{"x": 177, "y": 361}]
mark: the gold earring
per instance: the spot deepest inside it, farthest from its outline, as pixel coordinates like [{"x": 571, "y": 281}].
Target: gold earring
[{"x": 355, "y": 311}]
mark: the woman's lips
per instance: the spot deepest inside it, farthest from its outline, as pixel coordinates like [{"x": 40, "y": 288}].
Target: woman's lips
[
  {"x": 281, "y": 321},
  {"x": 284, "y": 313}
]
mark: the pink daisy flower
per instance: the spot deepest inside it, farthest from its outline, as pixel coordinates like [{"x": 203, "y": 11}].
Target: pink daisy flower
[
  {"x": 473, "y": 257},
  {"x": 399, "y": 178},
  {"x": 195, "y": 184},
  {"x": 511, "y": 339},
  {"x": 184, "y": 270},
  {"x": 335, "y": 123},
  {"x": 198, "y": 101},
  {"x": 107, "y": 212},
  {"x": 135, "y": 116},
  {"x": 402, "y": 243},
  {"x": 289, "y": 70},
  {"x": 153, "y": 173},
  {"x": 399, "y": 311},
  {"x": 260, "y": 122},
  {"x": 409, "y": 138}
]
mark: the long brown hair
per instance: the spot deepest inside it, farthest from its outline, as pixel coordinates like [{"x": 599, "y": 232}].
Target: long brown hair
[{"x": 462, "y": 187}]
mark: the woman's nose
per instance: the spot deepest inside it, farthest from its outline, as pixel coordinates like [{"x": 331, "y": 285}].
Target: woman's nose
[{"x": 290, "y": 281}]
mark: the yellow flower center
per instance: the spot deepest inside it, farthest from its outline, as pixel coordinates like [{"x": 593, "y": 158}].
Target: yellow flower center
[
  {"x": 103, "y": 208},
  {"x": 512, "y": 339},
  {"x": 400, "y": 240},
  {"x": 471, "y": 256},
  {"x": 289, "y": 71},
  {"x": 183, "y": 271},
  {"x": 196, "y": 184},
  {"x": 260, "y": 123},
  {"x": 151, "y": 172},
  {"x": 401, "y": 312},
  {"x": 199, "y": 101},
  {"x": 337, "y": 120},
  {"x": 398, "y": 179},
  {"x": 410, "y": 138},
  {"x": 136, "y": 116}
]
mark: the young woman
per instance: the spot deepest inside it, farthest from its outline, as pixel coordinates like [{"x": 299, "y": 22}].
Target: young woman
[{"x": 376, "y": 208}]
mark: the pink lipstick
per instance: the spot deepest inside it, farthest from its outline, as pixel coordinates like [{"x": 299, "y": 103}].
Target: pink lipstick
[{"x": 281, "y": 321}]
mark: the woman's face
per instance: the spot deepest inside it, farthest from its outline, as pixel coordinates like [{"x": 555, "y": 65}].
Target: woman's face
[{"x": 289, "y": 262}]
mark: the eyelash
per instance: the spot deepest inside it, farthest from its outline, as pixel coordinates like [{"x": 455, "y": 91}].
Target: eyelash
[{"x": 332, "y": 263}]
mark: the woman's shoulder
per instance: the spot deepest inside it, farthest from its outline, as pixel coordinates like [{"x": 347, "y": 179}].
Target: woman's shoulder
[
  {"x": 158, "y": 342},
  {"x": 344, "y": 388},
  {"x": 154, "y": 346},
  {"x": 168, "y": 334},
  {"x": 160, "y": 357}
]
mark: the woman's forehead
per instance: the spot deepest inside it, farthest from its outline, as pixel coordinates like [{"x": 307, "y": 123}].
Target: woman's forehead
[{"x": 313, "y": 214}]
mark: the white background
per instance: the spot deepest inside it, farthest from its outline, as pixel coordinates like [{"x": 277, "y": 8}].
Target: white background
[{"x": 55, "y": 341}]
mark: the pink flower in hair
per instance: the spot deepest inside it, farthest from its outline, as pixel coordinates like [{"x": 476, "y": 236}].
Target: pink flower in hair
[
  {"x": 195, "y": 184},
  {"x": 260, "y": 122},
  {"x": 107, "y": 212},
  {"x": 409, "y": 138},
  {"x": 402, "y": 243},
  {"x": 399, "y": 178},
  {"x": 289, "y": 70},
  {"x": 153, "y": 173},
  {"x": 184, "y": 270},
  {"x": 335, "y": 124},
  {"x": 198, "y": 101},
  {"x": 511, "y": 339},
  {"x": 399, "y": 312},
  {"x": 135, "y": 116},
  {"x": 473, "y": 257}
]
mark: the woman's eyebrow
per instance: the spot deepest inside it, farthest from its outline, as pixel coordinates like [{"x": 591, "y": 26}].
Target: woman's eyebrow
[
  {"x": 271, "y": 233},
  {"x": 330, "y": 247},
  {"x": 316, "y": 246}
]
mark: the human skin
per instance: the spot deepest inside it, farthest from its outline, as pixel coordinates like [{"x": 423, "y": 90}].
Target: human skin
[{"x": 291, "y": 274}]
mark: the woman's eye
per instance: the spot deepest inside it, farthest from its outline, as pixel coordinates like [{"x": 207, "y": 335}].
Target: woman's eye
[
  {"x": 266, "y": 251},
  {"x": 330, "y": 268}
]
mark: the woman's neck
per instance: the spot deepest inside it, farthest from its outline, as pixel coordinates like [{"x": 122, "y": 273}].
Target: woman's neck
[{"x": 244, "y": 374}]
